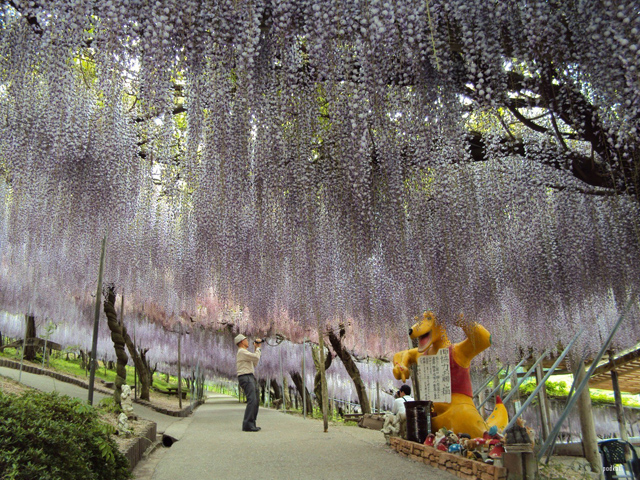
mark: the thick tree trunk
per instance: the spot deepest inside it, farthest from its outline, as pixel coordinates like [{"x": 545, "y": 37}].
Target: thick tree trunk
[
  {"x": 118, "y": 343},
  {"x": 83, "y": 360},
  {"x": 142, "y": 365},
  {"x": 277, "y": 394},
  {"x": 317, "y": 380},
  {"x": 352, "y": 370},
  {"x": 263, "y": 387},
  {"x": 287, "y": 398},
  {"x": 297, "y": 380},
  {"x": 323, "y": 382},
  {"x": 30, "y": 350}
]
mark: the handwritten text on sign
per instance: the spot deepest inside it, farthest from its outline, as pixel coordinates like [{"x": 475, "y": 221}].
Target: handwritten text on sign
[{"x": 434, "y": 376}]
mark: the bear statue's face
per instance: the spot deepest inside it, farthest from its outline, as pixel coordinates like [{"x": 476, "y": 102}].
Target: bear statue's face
[{"x": 429, "y": 333}]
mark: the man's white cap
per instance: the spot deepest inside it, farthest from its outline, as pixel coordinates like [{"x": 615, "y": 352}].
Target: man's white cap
[{"x": 239, "y": 338}]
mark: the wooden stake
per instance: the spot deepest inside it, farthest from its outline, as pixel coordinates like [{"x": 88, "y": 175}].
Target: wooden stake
[
  {"x": 96, "y": 318},
  {"x": 179, "y": 366}
]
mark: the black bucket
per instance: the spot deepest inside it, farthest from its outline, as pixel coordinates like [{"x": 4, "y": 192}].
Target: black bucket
[{"x": 418, "y": 420}]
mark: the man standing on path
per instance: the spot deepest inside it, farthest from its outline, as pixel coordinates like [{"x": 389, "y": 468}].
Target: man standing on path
[
  {"x": 246, "y": 362},
  {"x": 404, "y": 396}
]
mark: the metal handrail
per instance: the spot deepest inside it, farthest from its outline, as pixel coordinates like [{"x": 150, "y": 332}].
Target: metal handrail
[
  {"x": 524, "y": 377},
  {"x": 544, "y": 379}
]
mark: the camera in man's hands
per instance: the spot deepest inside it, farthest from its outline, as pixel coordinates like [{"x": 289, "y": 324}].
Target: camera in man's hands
[{"x": 259, "y": 341}]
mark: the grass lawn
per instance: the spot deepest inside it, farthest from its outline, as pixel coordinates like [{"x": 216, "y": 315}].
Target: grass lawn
[{"x": 58, "y": 362}]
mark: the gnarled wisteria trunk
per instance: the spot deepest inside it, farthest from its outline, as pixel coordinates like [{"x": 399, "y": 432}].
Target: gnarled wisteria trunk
[
  {"x": 117, "y": 336},
  {"x": 142, "y": 365},
  {"x": 302, "y": 389},
  {"x": 317, "y": 380},
  {"x": 29, "y": 336},
  {"x": 352, "y": 368}
]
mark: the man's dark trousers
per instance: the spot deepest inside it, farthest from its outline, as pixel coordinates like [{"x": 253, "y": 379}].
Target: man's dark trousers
[{"x": 250, "y": 387}]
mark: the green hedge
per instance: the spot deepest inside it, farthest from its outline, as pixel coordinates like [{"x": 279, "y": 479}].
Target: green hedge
[{"x": 50, "y": 436}]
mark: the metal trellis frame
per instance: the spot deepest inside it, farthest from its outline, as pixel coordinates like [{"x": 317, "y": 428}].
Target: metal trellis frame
[
  {"x": 585, "y": 380},
  {"x": 542, "y": 383}
]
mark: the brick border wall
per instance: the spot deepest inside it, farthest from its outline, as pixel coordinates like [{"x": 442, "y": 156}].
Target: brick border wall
[
  {"x": 454, "y": 464},
  {"x": 185, "y": 412}
]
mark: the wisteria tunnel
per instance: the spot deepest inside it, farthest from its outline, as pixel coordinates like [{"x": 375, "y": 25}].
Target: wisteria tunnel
[{"x": 321, "y": 172}]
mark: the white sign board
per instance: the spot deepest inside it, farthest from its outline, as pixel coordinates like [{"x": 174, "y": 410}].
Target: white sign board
[{"x": 434, "y": 376}]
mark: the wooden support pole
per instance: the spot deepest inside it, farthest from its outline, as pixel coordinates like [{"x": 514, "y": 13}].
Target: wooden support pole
[
  {"x": 481, "y": 397},
  {"x": 180, "y": 366},
  {"x": 304, "y": 381},
  {"x": 589, "y": 438},
  {"x": 415, "y": 384},
  {"x": 543, "y": 404},
  {"x": 516, "y": 390},
  {"x": 284, "y": 385},
  {"x": 96, "y": 318},
  {"x": 135, "y": 366},
  {"x": 488, "y": 396},
  {"x": 622, "y": 424},
  {"x": 24, "y": 342},
  {"x": 323, "y": 381}
]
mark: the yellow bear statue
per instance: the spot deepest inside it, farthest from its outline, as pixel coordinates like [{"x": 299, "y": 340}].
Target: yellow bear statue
[{"x": 461, "y": 415}]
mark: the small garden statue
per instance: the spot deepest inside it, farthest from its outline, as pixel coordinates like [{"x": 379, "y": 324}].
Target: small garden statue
[
  {"x": 394, "y": 426},
  {"x": 125, "y": 400},
  {"x": 123, "y": 425},
  {"x": 461, "y": 415}
]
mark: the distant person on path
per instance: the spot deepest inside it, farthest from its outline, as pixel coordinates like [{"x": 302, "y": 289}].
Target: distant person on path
[
  {"x": 395, "y": 423},
  {"x": 246, "y": 362},
  {"x": 404, "y": 395}
]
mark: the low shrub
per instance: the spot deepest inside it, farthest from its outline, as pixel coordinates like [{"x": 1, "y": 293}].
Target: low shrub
[
  {"x": 108, "y": 404},
  {"x": 50, "y": 436}
]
